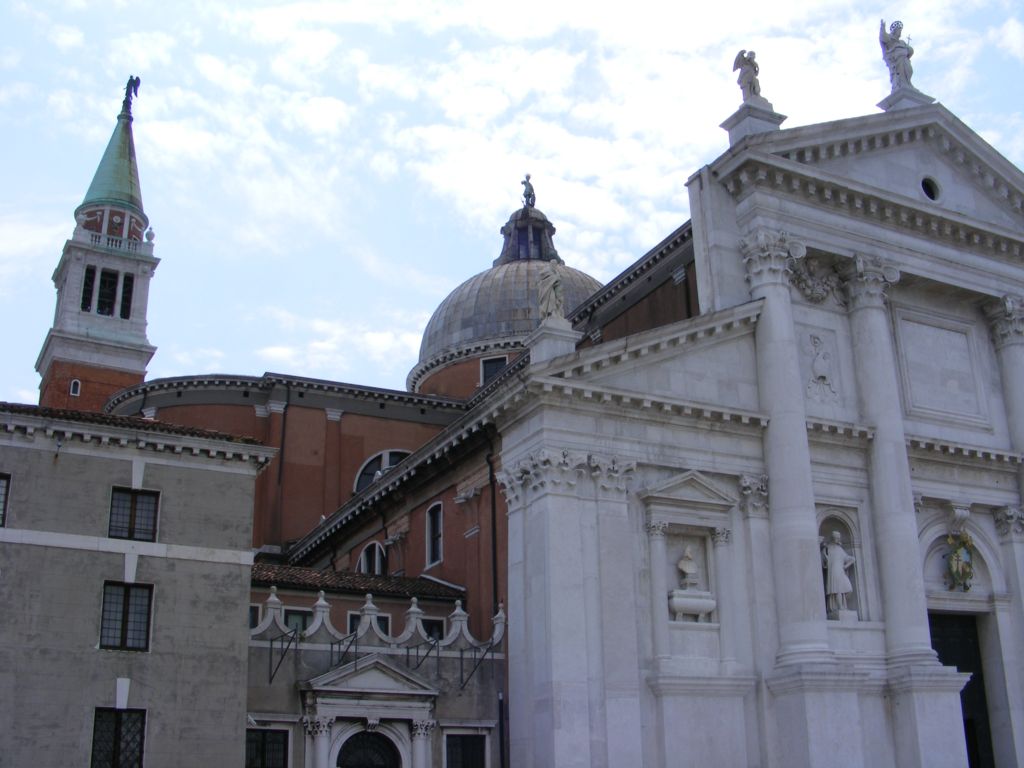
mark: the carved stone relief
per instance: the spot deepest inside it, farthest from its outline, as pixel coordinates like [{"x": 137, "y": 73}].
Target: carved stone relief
[{"x": 820, "y": 366}]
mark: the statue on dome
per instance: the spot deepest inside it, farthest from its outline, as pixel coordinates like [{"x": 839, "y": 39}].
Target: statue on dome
[
  {"x": 552, "y": 301},
  {"x": 529, "y": 196},
  {"x": 131, "y": 89},
  {"x": 896, "y": 52},
  {"x": 747, "y": 81}
]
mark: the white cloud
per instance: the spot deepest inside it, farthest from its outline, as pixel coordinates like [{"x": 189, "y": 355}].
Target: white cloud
[
  {"x": 1010, "y": 38},
  {"x": 139, "y": 52},
  {"x": 65, "y": 37}
]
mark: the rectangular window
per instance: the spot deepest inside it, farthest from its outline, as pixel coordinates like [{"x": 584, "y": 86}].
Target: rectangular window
[
  {"x": 108, "y": 292},
  {"x": 127, "y": 286},
  {"x": 118, "y": 736},
  {"x": 434, "y": 535},
  {"x": 383, "y": 622},
  {"x": 490, "y": 366},
  {"x": 298, "y": 618},
  {"x": 133, "y": 514},
  {"x": 266, "y": 749},
  {"x": 88, "y": 283},
  {"x": 434, "y": 628},
  {"x": 254, "y": 616},
  {"x": 5, "y": 488},
  {"x": 465, "y": 750},
  {"x": 125, "y": 620}
]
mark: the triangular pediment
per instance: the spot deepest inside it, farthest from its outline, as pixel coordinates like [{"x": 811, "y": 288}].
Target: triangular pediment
[
  {"x": 926, "y": 156},
  {"x": 372, "y": 674},
  {"x": 691, "y": 490},
  {"x": 707, "y": 359}
]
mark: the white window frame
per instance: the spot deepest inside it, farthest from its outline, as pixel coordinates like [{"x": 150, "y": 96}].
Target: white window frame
[
  {"x": 429, "y": 530},
  {"x": 379, "y": 566},
  {"x": 385, "y": 465},
  {"x": 464, "y": 731},
  {"x": 353, "y": 617}
]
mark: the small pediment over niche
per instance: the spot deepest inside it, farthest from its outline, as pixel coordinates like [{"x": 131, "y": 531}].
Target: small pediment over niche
[
  {"x": 692, "y": 495},
  {"x": 371, "y": 674}
]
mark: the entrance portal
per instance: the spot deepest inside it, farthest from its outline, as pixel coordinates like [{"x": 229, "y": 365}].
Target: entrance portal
[
  {"x": 955, "y": 640},
  {"x": 369, "y": 750}
]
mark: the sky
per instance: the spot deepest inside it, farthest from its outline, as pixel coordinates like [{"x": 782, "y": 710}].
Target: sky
[{"x": 320, "y": 175}]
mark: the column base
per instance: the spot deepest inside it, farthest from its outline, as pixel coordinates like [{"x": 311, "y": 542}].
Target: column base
[{"x": 928, "y": 728}]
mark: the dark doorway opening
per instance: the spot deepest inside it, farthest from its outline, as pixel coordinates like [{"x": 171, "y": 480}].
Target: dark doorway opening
[
  {"x": 369, "y": 750},
  {"x": 955, "y": 640}
]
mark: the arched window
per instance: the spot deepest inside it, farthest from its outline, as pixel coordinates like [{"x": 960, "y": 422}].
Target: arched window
[
  {"x": 373, "y": 560},
  {"x": 378, "y": 463},
  {"x": 76, "y": 388}
]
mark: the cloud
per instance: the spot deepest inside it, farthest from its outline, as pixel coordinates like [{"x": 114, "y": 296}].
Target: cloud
[
  {"x": 1010, "y": 38},
  {"x": 66, "y": 38},
  {"x": 27, "y": 247},
  {"x": 139, "y": 52}
]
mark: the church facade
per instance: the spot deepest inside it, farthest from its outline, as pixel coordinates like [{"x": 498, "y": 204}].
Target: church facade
[{"x": 754, "y": 502}]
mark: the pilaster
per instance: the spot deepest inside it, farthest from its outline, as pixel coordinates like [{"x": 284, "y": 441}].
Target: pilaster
[
  {"x": 319, "y": 729},
  {"x": 421, "y": 731},
  {"x": 574, "y": 686}
]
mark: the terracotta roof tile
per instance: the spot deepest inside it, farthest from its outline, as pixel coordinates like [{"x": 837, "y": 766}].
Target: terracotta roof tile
[
  {"x": 122, "y": 422},
  {"x": 297, "y": 577}
]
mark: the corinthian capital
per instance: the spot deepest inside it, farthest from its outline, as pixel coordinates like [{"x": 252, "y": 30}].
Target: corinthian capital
[
  {"x": 1009, "y": 521},
  {"x": 317, "y": 725},
  {"x": 421, "y": 728},
  {"x": 768, "y": 256},
  {"x": 1006, "y": 320},
  {"x": 867, "y": 278},
  {"x": 551, "y": 470}
]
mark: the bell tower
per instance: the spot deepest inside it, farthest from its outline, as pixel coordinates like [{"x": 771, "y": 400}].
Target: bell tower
[{"x": 98, "y": 343}]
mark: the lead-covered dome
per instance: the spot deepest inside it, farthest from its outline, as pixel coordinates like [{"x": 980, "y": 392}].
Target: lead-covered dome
[{"x": 498, "y": 308}]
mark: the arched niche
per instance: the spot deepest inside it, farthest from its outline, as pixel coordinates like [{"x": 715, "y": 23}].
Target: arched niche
[{"x": 843, "y": 521}]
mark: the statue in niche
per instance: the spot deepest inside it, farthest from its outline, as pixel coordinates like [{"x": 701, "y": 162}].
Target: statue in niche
[
  {"x": 749, "y": 85},
  {"x": 820, "y": 387},
  {"x": 552, "y": 302},
  {"x": 836, "y": 562},
  {"x": 688, "y": 569},
  {"x": 896, "y": 53}
]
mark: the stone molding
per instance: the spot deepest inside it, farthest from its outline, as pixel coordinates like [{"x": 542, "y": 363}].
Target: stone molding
[
  {"x": 815, "y": 280},
  {"x": 869, "y": 204},
  {"x": 317, "y": 725},
  {"x": 768, "y": 256},
  {"x": 1009, "y": 522},
  {"x": 372, "y": 724},
  {"x": 753, "y": 495},
  {"x": 866, "y": 280},
  {"x": 1006, "y": 320},
  {"x": 959, "y": 514},
  {"x": 552, "y": 469},
  {"x": 824, "y": 677},
  {"x": 721, "y": 536}
]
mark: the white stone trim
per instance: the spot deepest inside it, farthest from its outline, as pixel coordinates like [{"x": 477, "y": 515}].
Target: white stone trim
[{"x": 125, "y": 546}]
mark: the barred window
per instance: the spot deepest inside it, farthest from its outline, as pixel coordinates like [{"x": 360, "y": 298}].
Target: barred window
[
  {"x": 108, "y": 292},
  {"x": 435, "y": 533},
  {"x": 133, "y": 514},
  {"x": 125, "y": 621},
  {"x": 266, "y": 749},
  {"x": 118, "y": 736}
]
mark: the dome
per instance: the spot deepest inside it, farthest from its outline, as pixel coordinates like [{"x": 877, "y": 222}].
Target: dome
[{"x": 498, "y": 308}]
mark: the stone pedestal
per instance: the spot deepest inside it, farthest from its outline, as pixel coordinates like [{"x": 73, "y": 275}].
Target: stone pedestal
[
  {"x": 904, "y": 98},
  {"x": 756, "y": 116},
  {"x": 553, "y": 338}
]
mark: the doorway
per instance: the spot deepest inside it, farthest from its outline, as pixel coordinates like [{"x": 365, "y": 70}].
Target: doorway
[
  {"x": 955, "y": 640},
  {"x": 369, "y": 750}
]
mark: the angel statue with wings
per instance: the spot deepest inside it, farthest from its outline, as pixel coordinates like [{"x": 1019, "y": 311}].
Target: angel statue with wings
[{"x": 748, "y": 70}]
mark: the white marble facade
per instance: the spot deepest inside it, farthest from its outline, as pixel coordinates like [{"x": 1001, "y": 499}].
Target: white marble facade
[{"x": 858, "y": 367}]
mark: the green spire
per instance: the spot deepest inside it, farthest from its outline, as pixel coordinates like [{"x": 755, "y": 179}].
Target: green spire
[{"x": 117, "y": 178}]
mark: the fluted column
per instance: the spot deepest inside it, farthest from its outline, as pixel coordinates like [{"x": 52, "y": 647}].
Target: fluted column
[
  {"x": 320, "y": 729},
  {"x": 803, "y": 634},
  {"x": 421, "y": 730},
  {"x": 725, "y": 596},
  {"x": 659, "y": 587},
  {"x": 892, "y": 500}
]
